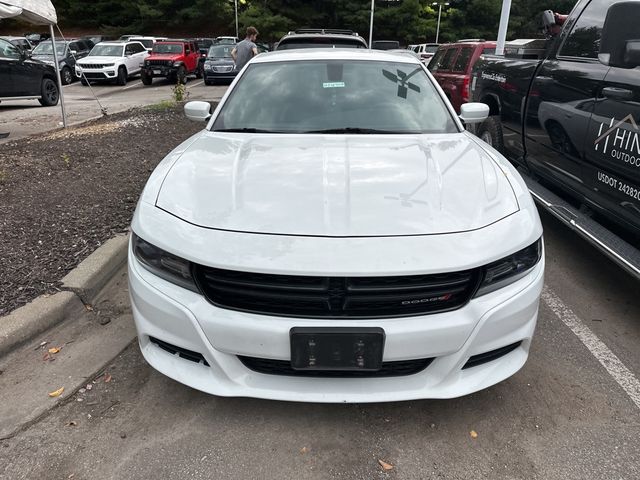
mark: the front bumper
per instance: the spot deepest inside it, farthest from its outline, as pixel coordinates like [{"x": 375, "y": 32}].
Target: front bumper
[
  {"x": 108, "y": 73},
  {"x": 185, "y": 319},
  {"x": 159, "y": 71}
]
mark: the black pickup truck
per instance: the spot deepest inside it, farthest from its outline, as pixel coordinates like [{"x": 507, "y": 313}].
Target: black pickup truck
[{"x": 568, "y": 113}]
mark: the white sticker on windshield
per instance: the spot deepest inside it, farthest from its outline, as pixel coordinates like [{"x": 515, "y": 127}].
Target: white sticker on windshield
[{"x": 333, "y": 85}]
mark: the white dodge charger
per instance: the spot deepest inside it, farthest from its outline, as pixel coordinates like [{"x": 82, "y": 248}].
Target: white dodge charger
[{"x": 335, "y": 235}]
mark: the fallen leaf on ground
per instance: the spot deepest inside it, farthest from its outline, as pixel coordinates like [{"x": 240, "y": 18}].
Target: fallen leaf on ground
[
  {"x": 107, "y": 377},
  {"x": 89, "y": 386},
  {"x": 56, "y": 393},
  {"x": 42, "y": 344},
  {"x": 304, "y": 450},
  {"x": 54, "y": 350},
  {"x": 88, "y": 307},
  {"x": 45, "y": 357},
  {"x": 72, "y": 423},
  {"x": 473, "y": 434},
  {"x": 385, "y": 466}
]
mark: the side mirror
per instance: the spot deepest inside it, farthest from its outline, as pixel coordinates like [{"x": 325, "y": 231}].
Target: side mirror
[
  {"x": 620, "y": 42},
  {"x": 24, "y": 54},
  {"x": 474, "y": 112},
  {"x": 198, "y": 111},
  {"x": 73, "y": 52}
]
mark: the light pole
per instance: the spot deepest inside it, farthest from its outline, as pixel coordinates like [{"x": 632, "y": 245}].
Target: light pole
[
  {"x": 373, "y": 6},
  {"x": 440, "y": 4},
  {"x": 236, "y": 2}
]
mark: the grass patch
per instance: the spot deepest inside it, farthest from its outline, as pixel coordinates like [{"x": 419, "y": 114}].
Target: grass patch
[{"x": 162, "y": 106}]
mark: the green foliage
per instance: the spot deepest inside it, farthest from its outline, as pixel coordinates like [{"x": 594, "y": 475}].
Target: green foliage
[
  {"x": 410, "y": 21},
  {"x": 179, "y": 92}
]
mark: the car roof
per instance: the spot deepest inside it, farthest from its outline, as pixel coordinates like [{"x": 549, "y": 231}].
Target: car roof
[{"x": 333, "y": 54}]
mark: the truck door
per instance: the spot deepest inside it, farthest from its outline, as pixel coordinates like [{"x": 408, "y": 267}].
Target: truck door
[
  {"x": 562, "y": 98},
  {"x": 612, "y": 169},
  {"x": 8, "y": 58}
]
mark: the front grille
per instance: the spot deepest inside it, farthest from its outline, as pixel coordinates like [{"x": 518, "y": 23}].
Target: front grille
[
  {"x": 481, "y": 358},
  {"x": 222, "y": 69},
  {"x": 96, "y": 66},
  {"x": 283, "y": 367},
  {"x": 160, "y": 63},
  {"x": 336, "y": 297},
  {"x": 94, "y": 75},
  {"x": 181, "y": 352}
]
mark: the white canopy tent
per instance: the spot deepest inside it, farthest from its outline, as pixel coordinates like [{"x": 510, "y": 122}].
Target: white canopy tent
[{"x": 39, "y": 12}]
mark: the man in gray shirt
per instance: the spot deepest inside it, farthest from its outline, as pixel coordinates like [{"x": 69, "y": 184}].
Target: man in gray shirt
[{"x": 246, "y": 49}]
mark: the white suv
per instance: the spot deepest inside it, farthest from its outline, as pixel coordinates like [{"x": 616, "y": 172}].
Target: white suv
[
  {"x": 336, "y": 235},
  {"x": 112, "y": 61}
]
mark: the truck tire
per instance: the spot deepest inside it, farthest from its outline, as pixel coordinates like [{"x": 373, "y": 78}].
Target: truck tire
[
  {"x": 182, "y": 74},
  {"x": 66, "y": 76},
  {"x": 49, "y": 92},
  {"x": 491, "y": 132},
  {"x": 146, "y": 79},
  {"x": 122, "y": 77}
]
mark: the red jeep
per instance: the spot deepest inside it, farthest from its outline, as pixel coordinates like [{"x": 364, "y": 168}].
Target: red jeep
[
  {"x": 452, "y": 64},
  {"x": 172, "y": 59}
]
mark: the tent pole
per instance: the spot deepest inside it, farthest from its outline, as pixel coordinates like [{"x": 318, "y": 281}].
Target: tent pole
[{"x": 56, "y": 66}]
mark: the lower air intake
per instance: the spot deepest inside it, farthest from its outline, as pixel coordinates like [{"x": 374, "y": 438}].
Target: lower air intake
[
  {"x": 283, "y": 367},
  {"x": 490, "y": 356},
  {"x": 181, "y": 352}
]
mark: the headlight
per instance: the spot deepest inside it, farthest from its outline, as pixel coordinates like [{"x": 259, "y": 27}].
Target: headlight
[
  {"x": 109, "y": 64},
  {"x": 176, "y": 64},
  {"x": 146, "y": 62},
  {"x": 510, "y": 269},
  {"x": 163, "y": 264}
]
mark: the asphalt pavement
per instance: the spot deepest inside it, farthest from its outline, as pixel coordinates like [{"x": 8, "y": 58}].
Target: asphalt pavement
[
  {"x": 572, "y": 412},
  {"x": 21, "y": 118}
]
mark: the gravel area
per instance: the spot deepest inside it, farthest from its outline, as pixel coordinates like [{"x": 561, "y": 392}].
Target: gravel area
[{"x": 64, "y": 193}]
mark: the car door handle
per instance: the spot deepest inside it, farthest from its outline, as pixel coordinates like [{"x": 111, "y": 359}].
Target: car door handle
[{"x": 617, "y": 93}]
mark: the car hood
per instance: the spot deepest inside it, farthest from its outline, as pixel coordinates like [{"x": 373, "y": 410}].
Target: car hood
[
  {"x": 155, "y": 56},
  {"x": 99, "y": 59},
  {"x": 220, "y": 60},
  {"x": 47, "y": 58},
  {"x": 337, "y": 185}
]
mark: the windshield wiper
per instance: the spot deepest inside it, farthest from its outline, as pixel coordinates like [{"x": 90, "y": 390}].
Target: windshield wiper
[
  {"x": 246, "y": 130},
  {"x": 356, "y": 130}
]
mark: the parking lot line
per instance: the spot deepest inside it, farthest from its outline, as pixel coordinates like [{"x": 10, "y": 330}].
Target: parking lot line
[
  {"x": 620, "y": 373},
  {"x": 131, "y": 85},
  {"x": 196, "y": 84}
]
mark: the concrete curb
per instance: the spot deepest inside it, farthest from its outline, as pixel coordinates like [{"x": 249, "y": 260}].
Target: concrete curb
[
  {"x": 88, "y": 278},
  {"x": 83, "y": 284}
]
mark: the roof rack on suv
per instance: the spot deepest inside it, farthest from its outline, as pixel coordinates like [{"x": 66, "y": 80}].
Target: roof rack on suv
[
  {"x": 471, "y": 40},
  {"x": 324, "y": 31}
]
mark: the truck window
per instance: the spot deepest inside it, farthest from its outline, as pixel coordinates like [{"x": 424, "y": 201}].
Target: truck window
[
  {"x": 584, "y": 39},
  {"x": 447, "y": 60},
  {"x": 462, "y": 62},
  {"x": 434, "y": 64},
  {"x": 489, "y": 51}
]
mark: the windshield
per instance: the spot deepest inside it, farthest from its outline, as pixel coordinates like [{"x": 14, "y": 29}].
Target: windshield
[
  {"x": 106, "y": 51},
  {"x": 46, "y": 48},
  {"x": 167, "y": 48},
  {"x": 319, "y": 42},
  {"x": 145, "y": 42},
  {"x": 220, "y": 51},
  {"x": 335, "y": 96},
  {"x": 431, "y": 48}
]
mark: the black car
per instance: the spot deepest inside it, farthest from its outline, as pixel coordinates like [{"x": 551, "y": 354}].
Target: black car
[
  {"x": 219, "y": 64},
  {"x": 23, "y": 78},
  {"x": 68, "y": 53},
  {"x": 566, "y": 110}
]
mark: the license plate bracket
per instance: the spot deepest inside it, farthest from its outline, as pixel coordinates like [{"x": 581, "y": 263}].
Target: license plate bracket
[{"x": 337, "y": 348}]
